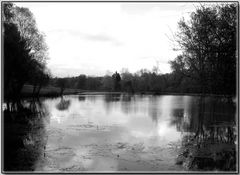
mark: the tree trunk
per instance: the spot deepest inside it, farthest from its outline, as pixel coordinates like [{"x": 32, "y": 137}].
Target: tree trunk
[
  {"x": 39, "y": 88},
  {"x": 34, "y": 89}
]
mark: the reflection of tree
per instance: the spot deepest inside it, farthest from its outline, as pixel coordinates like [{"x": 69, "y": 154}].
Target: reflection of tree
[
  {"x": 177, "y": 118},
  {"x": 200, "y": 117},
  {"x": 24, "y": 136},
  {"x": 210, "y": 144},
  {"x": 63, "y": 104},
  {"x": 126, "y": 101},
  {"x": 110, "y": 99},
  {"x": 81, "y": 98},
  {"x": 127, "y": 97},
  {"x": 153, "y": 109},
  {"x": 92, "y": 98}
]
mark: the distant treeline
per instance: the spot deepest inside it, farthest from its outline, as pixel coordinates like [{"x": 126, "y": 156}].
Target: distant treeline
[
  {"x": 141, "y": 81},
  {"x": 207, "y": 63}
]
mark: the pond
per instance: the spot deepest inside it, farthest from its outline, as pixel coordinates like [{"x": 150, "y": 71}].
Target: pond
[{"x": 109, "y": 133}]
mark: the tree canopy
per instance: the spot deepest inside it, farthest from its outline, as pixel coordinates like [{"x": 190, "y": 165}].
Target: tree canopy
[
  {"x": 208, "y": 45},
  {"x": 25, "y": 51}
]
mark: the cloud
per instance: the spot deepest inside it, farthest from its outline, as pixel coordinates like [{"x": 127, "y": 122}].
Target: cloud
[
  {"x": 86, "y": 36},
  {"x": 102, "y": 38},
  {"x": 141, "y": 8},
  {"x": 156, "y": 59},
  {"x": 63, "y": 70}
]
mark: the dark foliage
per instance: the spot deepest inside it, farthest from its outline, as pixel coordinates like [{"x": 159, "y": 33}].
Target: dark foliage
[
  {"x": 208, "y": 44},
  {"x": 24, "y": 135},
  {"x": 22, "y": 62}
]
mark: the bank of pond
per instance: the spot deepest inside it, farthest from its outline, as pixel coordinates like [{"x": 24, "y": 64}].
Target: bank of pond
[{"x": 51, "y": 91}]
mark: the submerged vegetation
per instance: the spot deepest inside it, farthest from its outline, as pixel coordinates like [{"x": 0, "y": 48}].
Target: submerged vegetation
[
  {"x": 209, "y": 137},
  {"x": 207, "y": 154}
]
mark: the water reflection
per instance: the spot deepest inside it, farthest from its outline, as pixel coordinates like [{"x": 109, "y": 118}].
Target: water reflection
[
  {"x": 127, "y": 132},
  {"x": 63, "y": 104},
  {"x": 177, "y": 119},
  {"x": 126, "y": 101},
  {"x": 154, "y": 111},
  {"x": 209, "y": 139},
  {"x": 112, "y": 98},
  {"x": 25, "y": 135},
  {"x": 81, "y": 98}
]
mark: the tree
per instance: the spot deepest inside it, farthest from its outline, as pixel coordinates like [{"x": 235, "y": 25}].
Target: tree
[
  {"x": 24, "y": 51},
  {"x": 208, "y": 44},
  {"x": 61, "y": 82},
  {"x": 116, "y": 78},
  {"x": 29, "y": 31},
  {"x": 127, "y": 81},
  {"x": 8, "y": 12},
  {"x": 107, "y": 83},
  {"x": 81, "y": 81},
  {"x": 40, "y": 76},
  {"x": 16, "y": 58}
]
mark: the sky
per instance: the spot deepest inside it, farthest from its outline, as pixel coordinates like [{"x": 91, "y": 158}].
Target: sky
[{"x": 99, "y": 38}]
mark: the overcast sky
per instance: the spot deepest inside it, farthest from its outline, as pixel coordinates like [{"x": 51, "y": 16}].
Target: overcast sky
[{"x": 93, "y": 38}]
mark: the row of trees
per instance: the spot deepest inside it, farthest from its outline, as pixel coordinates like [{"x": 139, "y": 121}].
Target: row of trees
[
  {"x": 25, "y": 52},
  {"x": 141, "y": 81},
  {"x": 207, "y": 63}
]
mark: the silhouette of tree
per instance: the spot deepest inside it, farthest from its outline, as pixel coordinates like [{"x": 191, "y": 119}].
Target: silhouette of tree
[
  {"x": 28, "y": 29},
  {"x": 8, "y": 12},
  {"x": 127, "y": 81},
  {"x": 208, "y": 44},
  {"x": 16, "y": 61},
  {"x": 40, "y": 77},
  {"x": 61, "y": 82},
  {"x": 24, "y": 51},
  {"x": 116, "y": 78},
  {"x": 107, "y": 83},
  {"x": 81, "y": 82}
]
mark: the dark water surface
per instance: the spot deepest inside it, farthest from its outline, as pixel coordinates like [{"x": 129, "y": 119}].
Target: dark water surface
[{"x": 121, "y": 133}]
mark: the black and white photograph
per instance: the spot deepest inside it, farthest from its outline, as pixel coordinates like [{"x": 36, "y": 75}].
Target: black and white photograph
[{"x": 120, "y": 87}]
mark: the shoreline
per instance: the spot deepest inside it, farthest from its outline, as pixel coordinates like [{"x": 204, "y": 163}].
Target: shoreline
[
  {"x": 150, "y": 93},
  {"x": 51, "y": 91}
]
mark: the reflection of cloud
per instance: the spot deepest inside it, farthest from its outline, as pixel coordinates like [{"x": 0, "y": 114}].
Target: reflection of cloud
[
  {"x": 165, "y": 131},
  {"x": 56, "y": 115},
  {"x": 104, "y": 163}
]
